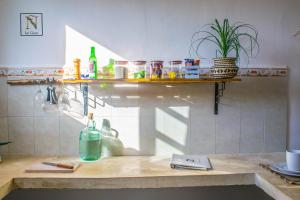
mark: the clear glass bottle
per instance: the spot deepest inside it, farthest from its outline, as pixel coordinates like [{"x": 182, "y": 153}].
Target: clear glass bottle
[{"x": 90, "y": 141}]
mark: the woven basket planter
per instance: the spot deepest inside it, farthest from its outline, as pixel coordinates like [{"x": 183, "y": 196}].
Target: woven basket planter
[{"x": 224, "y": 68}]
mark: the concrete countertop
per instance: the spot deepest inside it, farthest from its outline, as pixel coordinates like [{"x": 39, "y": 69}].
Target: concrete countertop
[{"x": 149, "y": 172}]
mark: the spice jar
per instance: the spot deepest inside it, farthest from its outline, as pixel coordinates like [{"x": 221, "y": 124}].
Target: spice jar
[
  {"x": 120, "y": 69},
  {"x": 77, "y": 68},
  {"x": 156, "y": 69},
  {"x": 174, "y": 69},
  {"x": 138, "y": 69}
]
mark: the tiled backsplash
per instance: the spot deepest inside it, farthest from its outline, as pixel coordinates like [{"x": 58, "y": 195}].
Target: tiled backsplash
[{"x": 153, "y": 119}]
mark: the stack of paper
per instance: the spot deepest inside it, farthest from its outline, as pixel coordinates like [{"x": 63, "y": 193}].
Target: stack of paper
[{"x": 190, "y": 162}]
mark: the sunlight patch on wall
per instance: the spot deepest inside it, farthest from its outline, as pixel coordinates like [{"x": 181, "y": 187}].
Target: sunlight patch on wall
[
  {"x": 128, "y": 128},
  {"x": 164, "y": 148},
  {"x": 173, "y": 132},
  {"x": 78, "y": 46},
  {"x": 184, "y": 111}
]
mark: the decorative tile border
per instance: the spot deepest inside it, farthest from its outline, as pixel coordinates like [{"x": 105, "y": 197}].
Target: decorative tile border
[
  {"x": 263, "y": 72},
  {"x": 35, "y": 72},
  {"x": 245, "y": 72}
]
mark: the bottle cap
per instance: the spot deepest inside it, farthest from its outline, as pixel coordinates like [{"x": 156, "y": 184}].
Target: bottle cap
[
  {"x": 90, "y": 116},
  {"x": 76, "y": 60}
]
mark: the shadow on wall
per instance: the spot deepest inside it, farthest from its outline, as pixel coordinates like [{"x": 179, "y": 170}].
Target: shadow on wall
[
  {"x": 147, "y": 118},
  {"x": 150, "y": 119},
  {"x": 166, "y": 119}
]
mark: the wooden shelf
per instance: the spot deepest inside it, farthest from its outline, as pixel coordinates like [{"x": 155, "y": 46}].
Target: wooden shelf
[
  {"x": 123, "y": 81},
  {"x": 153, "y": 81}
]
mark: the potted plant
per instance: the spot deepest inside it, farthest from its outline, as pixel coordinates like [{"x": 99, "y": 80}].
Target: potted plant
[{"x": 231, "y": 40}]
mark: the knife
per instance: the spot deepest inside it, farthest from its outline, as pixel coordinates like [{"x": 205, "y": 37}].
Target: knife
[
  {"x": 61, "y": 165},
  {"x": 4, "y": 143}
]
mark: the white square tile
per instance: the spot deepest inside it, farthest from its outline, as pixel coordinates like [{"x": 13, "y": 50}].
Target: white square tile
[
  {"x": 3, "y": 134},
  {"x": 252, "y": 131},
  {"x": 228, "y": 123},
  {"x": 173, "y": 131},
  {"x": 46, "y": 130},
  {"x": 3, "y": 97},
  {"x": 148, "y": 134},
  {"x": 69, "y": 135},
  {"x": 21, "y": 135},
  {"x": 203, "y": 133},
  {"x": 128, "y": 128},
  {"x": 21, "y": 100},
  {"x": 228, "y": 130},
  {"x": 276, "y": 128}
]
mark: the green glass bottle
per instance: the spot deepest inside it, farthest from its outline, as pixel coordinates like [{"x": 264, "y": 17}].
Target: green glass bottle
[
  {"x": 90, "y": 141},
  {"x": 93, "y": 69}
]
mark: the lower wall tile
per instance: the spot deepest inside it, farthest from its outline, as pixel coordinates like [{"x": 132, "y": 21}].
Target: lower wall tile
[
  {"x": 21, "y": 100},
  {"x": 128, "y": 128},
  {"x": 252, "y": 130},
  {"x": 158, "y": 120},
  {"x": 69, "y": 135},
  {"x": 203, "y": 134},
  {"x": 3, "y": 134},
  {"x": 3, "y": 97},
  {"x": 46, "y": 131},
  {"x": 21, "y": 135}
]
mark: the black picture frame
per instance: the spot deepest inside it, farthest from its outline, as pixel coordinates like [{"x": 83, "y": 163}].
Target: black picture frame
[{"x": 42, "y": 24}]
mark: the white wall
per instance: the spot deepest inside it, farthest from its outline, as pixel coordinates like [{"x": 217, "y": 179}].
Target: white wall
[{"x": 157, "y": 29}]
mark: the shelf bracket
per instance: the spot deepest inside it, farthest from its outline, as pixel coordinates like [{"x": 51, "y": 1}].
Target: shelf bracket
[{"x": 219, "y": 90}]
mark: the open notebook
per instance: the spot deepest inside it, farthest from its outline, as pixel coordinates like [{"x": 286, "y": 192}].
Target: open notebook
[{"x": 190, "y": 162}]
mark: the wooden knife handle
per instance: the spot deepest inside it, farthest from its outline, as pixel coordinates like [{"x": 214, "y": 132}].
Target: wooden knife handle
[{"x": 65, "y": 166}]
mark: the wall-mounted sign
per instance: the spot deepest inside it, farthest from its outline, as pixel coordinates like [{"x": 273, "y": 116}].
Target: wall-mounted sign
[{"x": 31, "y": 24}]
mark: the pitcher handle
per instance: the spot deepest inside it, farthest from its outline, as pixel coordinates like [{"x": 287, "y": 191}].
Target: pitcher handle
[{"x": 116, "y": 132}]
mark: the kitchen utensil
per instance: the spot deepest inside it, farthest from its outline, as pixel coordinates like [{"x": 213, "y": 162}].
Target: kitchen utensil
[
  {"x": 42, "y": 168},
  {"x": 281, "y": 170},
  {"x": 293, "y": 160},
  {"x": 61, "y": 165},
  {"x": 39, "y": 97}
]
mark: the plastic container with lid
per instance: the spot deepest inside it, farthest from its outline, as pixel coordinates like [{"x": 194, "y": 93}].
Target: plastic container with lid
[
  {"x": 175, "y": 69},
  {"x": 121, "y": 69},
  {"x": 138, "y": 69},
  {"x": 156, "y": 69}
]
